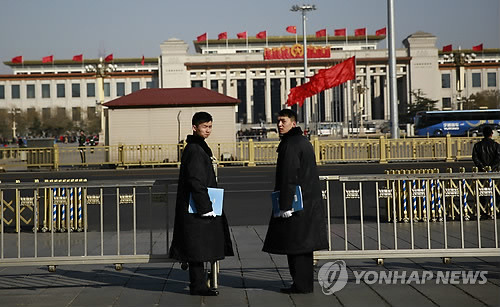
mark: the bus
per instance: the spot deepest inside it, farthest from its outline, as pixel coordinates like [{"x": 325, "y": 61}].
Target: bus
[{"x": 455, "y": 123}]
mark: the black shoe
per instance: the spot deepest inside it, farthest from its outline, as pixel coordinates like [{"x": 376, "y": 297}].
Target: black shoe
[
  {"x": 293, "y": 290},
  {"x": 206, "y": 292}
]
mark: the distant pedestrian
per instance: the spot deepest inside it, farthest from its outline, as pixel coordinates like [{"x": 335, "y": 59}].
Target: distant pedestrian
[
  {"x": 486, "y": 152},
  {"x": 198, "y": 237},
  {"x": 297, "y": 234},
  {"x": 82, "y": 139}
]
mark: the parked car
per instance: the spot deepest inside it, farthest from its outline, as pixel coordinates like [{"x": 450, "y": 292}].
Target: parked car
[{"x": 478, "y": 131}]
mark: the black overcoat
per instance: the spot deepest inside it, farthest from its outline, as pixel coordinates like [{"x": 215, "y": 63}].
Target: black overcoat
[
  {"x": 196, "y": 238},
  {"x": 305, "y": 231}
]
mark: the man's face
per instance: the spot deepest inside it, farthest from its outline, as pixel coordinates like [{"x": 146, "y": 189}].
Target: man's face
[
  {"x": 203, "y": 129},
  {"x": 285, "y": 124}
]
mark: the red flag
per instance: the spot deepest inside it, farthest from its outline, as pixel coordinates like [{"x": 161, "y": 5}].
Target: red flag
[
  {"x": 142, "y": 61},
  {"x": 17, "y": 59},
  {"x": 380, "y": 32},
  {"x": 222, "y": 35},
  {"x": 447, "y": 48},
  {"x": 202, "y": 37},
  {"x": 360, "y": 32},
  {"x": 478, "y": 47},
  {"x": 262, "y": 35},
  {"x": 291, "y": 29},
  {"x": 323, "y": 80},
  {"x": 108, "y": 58},
  {"x": 321, "y": 33},
  {"x": 78, "y": 58},
  {"x": 242, "y": 34},
  {"x": 340, "y": 32},
  {"x": 48, "y": 59}
]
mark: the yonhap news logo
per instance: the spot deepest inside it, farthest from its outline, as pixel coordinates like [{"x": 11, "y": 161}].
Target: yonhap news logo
[{"x": 333, "y": 277}]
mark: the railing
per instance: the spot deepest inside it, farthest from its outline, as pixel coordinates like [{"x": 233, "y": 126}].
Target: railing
[
  {"x": 412, "y": 214},
  {"x": 249, "y": 153}
]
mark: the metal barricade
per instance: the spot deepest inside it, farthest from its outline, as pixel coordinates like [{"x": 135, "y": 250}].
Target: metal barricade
[{"x": 429, "y": 214}]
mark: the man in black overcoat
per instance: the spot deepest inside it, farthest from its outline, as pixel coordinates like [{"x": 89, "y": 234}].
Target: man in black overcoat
[
  {"x": 297, "y": 234},
  {"x": 486, "y": 152},
  {"x": 198, "y": 237}
]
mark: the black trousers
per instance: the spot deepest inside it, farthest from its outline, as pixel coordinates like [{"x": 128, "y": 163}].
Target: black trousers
[
  {"x": 302, "y": 271},
  {"x": 197, "y": 277}
]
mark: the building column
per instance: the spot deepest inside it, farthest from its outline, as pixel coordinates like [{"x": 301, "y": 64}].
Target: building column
[
  {"x": 368, "y": 94},
  {"x": 267, "y": 100},
  {"x": 249, "y": 93},
  {"x": 287, "y": 87},
  {"x": 328, "y": 105},
  {"x": 348, "y": 103}
]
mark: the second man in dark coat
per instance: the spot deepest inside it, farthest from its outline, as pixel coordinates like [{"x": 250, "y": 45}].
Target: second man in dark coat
[{"x": 297, "y": 234}]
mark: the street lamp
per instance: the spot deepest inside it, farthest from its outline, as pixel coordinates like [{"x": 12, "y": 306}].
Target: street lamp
[
  {"x": 14, "y": 112},
  {"x": 100, "y": 71},
  {"x": 303, "y": 9},
  {"x": 459, "y": 59}
]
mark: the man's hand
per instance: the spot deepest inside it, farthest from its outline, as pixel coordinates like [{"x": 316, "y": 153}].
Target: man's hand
[
  {"x": 286, "y": 214},
  {"x": 209, "y": 214}
]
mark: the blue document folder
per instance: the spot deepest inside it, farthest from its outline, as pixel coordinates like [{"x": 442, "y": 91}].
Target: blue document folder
[
  {"x": 216, "y": 197},
  {"x": 297, "y": 204}
]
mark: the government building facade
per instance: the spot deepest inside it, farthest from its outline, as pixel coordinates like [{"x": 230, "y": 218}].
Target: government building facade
[{"x": 260, "y": 73}]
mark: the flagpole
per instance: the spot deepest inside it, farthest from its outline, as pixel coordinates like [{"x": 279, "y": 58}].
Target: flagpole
[
  {"x": 346, "y": 37},
  {"x": 296, "y": 37},
  {"x": 392, "y": 72},
  {"x": 326, "y": 37},
  {"x": 266, "y": 38},
  {"x": 207, "y": 43},
  {"x": 246, "y": 38}
]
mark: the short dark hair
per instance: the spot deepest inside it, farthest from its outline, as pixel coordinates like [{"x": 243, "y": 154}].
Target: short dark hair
[
  {"x": 487, "y": 131},
  {"x": 200, "y": 118},
  {"x": 288, "y": 113}
]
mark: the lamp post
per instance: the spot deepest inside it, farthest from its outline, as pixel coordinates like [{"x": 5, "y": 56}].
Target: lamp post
[
  {"x": 304, "y": 9},
  {"x": 14, "y": 111},
  {"x": 100, "y": 71},
  {"x": 459, "y": 59}
]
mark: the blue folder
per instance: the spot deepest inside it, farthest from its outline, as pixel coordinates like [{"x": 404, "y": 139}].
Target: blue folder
[
  {"x": 216, "y": 197},
  {"x": 297, "y": 204}
]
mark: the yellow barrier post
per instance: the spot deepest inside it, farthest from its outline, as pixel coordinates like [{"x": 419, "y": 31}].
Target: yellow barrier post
[
  {"x": 449, "y": 153},
  {"x": 251, "y": 153},
  {"x": 382, "y": 145},
  {"x": 56, "y": 156},
  {"x": 316, "y": 145}
]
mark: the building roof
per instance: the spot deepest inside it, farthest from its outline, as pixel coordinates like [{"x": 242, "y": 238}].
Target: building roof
[{"x": 171, "y": 97}]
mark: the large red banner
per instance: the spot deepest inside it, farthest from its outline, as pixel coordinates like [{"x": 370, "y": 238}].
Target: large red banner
[{"x": 296, "y": 52}]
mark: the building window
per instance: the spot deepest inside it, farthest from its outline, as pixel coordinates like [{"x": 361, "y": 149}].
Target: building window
[
  {"x": 61, "y": 90},
  {"x": 2, "y": 91},
  {"x": 45, "y": 90},
  {"x": 445, "y": 81},
  {"x": 16, "y": 91},
  {"x": 75, "y": 90},
  {"x": 149, "y": 84},
  {"x": 107, "y": 89},
  {"x": 214, "y": 85},
  {"x": 476, "y": 79},
  {"x": 136, "y": 86},
  {"x": 120, "y": 89},
  {"x": 492, "y": 79},
  {"x": 197, "y": 83},
  {"x": 91, "y": 113},
  {"x": 90, "y": 89},
  {"x": 76, "y": 114},
  {"x": 447, "y": 102},
  {"x": 30, "y": 91},
  {"x": 46, "y": 114}
]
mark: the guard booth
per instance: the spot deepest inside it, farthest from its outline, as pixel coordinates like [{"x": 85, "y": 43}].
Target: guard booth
[{"x": 40, "y": 152}]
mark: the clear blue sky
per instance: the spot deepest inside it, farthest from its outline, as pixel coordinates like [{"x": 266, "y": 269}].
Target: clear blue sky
[{"x": 132, "y": 28}]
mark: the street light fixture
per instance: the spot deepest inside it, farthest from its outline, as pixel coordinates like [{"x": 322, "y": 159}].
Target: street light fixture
[
  {"x": 459, "y": 59},
  {"x": 100, "y": 71},
  {"x": 303, "y": 9}
]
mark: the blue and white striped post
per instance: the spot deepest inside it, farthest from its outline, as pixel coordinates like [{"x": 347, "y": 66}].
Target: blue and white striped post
[
  {"x": 440, "y": 209},
  {"x": 424, "y": 201},
  {"x": 433, "y": 202},
  {"x": 71, "y": 207},
  {"x": 492, "y": 205},
  {"x": 80, "y": 209},
  {"x": 464, "y": 188},
  {"x": 405, "y": 212},
  {"x": 414, "y": 200},
  {"x": 54, "y": 208},
  {"x": 63, "y": 209}
]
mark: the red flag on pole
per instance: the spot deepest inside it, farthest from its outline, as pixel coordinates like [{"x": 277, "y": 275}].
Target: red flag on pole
[
  {"x": 323, "y": 80},
  {"x": 291, "y": 29},
  {"x": 242, "y": 34},
  {"x": 202, "y": 37},
  {"x": 447, "y": 48},
  {"x": 108, "y": 58},
  {"x": 142, "y": 61},
  {"x": 48, "y": 59},
  {"x": 261, "y": 35},
  {"x": 321, "y": 33},
  {"x": 222, "y": 35},
  {"x": 380, "y": 32},
  {"x": 17, "y": 59},
  {"x": 478, "y": 47},
  {"x": 78, "y": 58},
  {"x": 340, "y": 32},
  {"x": 360, "y": 32}
]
